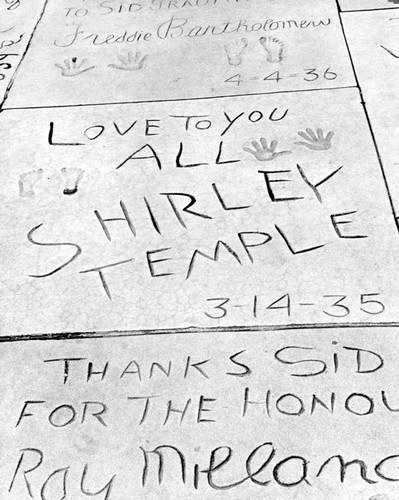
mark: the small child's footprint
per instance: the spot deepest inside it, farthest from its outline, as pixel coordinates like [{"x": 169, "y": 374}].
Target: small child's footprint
[
  {"x": 27, "y": 181},
  {"x": 234, "y": 51},
  {"x": 274, "y": 48},
  {"x": 72, "y": 178}
]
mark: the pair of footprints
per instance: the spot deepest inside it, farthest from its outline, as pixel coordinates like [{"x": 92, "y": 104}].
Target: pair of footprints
[
  {"x": 316, "y": 141},
  {"x": 27, "y": 181},
  {"x": 273, "y": 46},
  {"x": 128, "y": 62}
]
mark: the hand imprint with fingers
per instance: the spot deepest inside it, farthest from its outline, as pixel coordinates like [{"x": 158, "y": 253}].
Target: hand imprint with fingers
[
  {"x": 316, "y": 142},
  {"x": 72, "y": 177},
  {"x": 234, "y": 51},
  {"x": 263, "y": 152},
  {"x": 73, "y": 67},
  {"x": 130, "y": 62}
]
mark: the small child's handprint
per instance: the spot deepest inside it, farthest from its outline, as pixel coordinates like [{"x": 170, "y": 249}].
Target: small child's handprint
[
  {"x": 316, "y": 142},
  {"x": 73, "y": 67},
  {"x": 130, "y": 62},
  {"x": 234, "y": 51},
  {"x": 263, "y": 152},
  {"x": 72, "y": 177}
]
